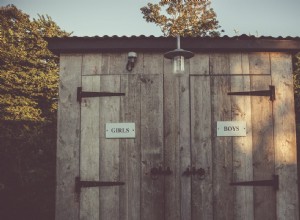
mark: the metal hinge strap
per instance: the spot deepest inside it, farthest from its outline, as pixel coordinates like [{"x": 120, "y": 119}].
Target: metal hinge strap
[
  {"x": 273, "y": 182},
  {"x": 270, "y": 93},
  {"x": 84, "y": 184},
  {"x": 83, "y": 94}
]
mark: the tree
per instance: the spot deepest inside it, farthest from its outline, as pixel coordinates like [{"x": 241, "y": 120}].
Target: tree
[
  {"x": 28, "y": 87},
  {"x": 183, "y": 17},
  {"x": 28, "y": 70}
]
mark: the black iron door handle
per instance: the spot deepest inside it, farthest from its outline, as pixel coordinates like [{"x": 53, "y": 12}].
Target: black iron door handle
[
  {"x": 160, "y": 171},
  {"x": 193, "y": 171}
]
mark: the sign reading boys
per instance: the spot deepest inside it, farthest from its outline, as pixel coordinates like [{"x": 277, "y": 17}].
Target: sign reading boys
[{"x": 231, "y": 128}]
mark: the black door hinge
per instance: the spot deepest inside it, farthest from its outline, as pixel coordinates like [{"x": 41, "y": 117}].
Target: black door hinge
[
  {"x": 83, "y": 94},
  {"x": 82, "y": 183},
  {"x": 270, "y": 93},
  {"x": 273, "y": 182}
]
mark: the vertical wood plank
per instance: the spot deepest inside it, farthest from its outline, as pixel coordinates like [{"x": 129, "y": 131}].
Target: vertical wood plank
[
  {"x": 89, "y": 152},
  {"x": 109, "y": 149},
  {"x": 259, "y": 63},
  {"x": 115, "y": 64},
  {"x": 92, "y": 64},
  {"x": 242, "y": 146},
  {"x": 152, "y": 191},
  {"x": 285, "y": 138},
  {"x": 185, "y": 146},
  {"x": 223, "y": 193},
  {"x": 68, "y": 136},
  {"x": 153, "y": 63},
  {"x": 130, "y": 150},
  {"x": 262, "y": 131},
  {"x": 201, "y": 148},
  {"x": 199, "y": 64},
  {"x": 171, "y": 147}
]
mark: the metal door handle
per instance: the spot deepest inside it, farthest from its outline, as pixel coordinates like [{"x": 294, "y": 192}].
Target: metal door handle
[
  {"x": 193, "y": 171},
  {"x": 160, "y": 171}
]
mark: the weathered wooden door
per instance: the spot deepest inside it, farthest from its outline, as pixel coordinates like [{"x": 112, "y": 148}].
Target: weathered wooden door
[
  {"x": 177, "y": 167},
  {"x": 126, "y": 160},
  {"x": 176, "y": 122}
]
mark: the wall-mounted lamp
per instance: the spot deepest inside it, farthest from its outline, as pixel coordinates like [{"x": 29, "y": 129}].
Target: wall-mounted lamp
[
  {"x": 132, "y": 56},
  {"x": 177, "y": 56}
]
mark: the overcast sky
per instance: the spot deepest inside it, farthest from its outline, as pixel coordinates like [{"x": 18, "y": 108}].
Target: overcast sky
[{"x": 123, "y": 17}]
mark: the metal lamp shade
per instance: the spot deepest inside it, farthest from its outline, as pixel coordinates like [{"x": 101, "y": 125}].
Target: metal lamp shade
[{"x": 178, "y": 56}]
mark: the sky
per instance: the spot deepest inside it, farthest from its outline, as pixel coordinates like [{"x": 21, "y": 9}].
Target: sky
[{"x": 123, "y": 17}]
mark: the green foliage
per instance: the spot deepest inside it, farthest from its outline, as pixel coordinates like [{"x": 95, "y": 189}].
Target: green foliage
[
  {"x": 28, "y": 70},
  {"x": 28, "y": 89},
  {"x": 183, "y": 17},
  {"x": 27, "y": 167}
]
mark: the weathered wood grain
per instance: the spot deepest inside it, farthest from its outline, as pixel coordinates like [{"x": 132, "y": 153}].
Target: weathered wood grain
[
  {"x": 223, "y": 193},
  {"x": 176, "y": 120},
  {"x": 89, "y": 152},
  {"x": 152, "y": 187},
  {"x": 153, "y": 63},
  {"x": 171, "y": 147},
  {"x": 185, "y": 146},
  {"x": 242, "y": 146},
  {"x": 259, "y": 63},
  {"x": 92, "y": 64},
  {"x": 219, "y": 64},
  {"x": 115, "y": 64},
  {"x": 201, "y": 151},
  {"x": 68, "y": 136},
  {"x": 130, "y": 149},
  {"x": 109, "y": 149},
  {"x": 201, "y": 147},
  {"x": 263, "y": 139},
  {"x": 199, "y": 64},
  {"x": 284, "y": 137},
  {"x": 168, "y": 66}
]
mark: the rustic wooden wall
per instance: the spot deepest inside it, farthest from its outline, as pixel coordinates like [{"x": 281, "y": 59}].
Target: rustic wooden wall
[{"x": 182, "y": 124}]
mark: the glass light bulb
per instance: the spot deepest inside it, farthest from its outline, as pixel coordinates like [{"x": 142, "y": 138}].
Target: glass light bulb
[{"x": 178, "y": 65}]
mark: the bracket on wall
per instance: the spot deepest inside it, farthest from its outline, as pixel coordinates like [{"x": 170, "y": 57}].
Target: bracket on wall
[
  {"x": 83, "y": 94},
  {"x": 80, "y": 184},
  {"x": 273, "y": 182},
  {"x": 270, "y": 93}
]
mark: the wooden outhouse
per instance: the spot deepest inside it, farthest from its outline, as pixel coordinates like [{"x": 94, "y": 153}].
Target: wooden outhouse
[{"x": 141, "y": 143}]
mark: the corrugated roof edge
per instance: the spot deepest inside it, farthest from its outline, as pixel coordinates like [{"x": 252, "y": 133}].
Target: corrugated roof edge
[{"x": 75, "y": 44}]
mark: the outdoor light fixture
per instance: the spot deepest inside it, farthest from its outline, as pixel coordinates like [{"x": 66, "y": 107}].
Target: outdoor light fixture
[
  {"x": 177, "y": 56},
  {"x": 132, "y": 56}
]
